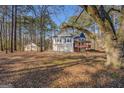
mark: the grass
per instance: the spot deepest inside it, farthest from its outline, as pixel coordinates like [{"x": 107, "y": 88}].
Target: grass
[{"x": 58, "y": 62}]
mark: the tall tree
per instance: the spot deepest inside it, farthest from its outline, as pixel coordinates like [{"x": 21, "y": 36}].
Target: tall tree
[
  {"x": 15, "y": 27},
  {"x": 1, "y": 39},
  {"x": 12, "y": 29}
]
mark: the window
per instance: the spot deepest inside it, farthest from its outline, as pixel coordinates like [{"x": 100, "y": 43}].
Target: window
[
  {"x": 60, "y": 40},
  {"x": 65, "y": 40},
  {"x": 68, "y": 39},
  {"x": 57, "y": 40}
]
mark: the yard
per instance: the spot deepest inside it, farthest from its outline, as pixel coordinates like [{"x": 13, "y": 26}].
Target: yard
[{"x": 50, "y": 69}]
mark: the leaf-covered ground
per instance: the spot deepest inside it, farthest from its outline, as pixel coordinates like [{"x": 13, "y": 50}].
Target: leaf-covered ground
[{"x": 50, "y": 69}]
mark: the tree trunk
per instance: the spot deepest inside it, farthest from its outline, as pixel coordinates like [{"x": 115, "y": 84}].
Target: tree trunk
[
  {"x": 1, "y": 39},
  {"x": 6, "y": 31},
  {"x": 9, "y": 32},
  {"x": 114, "y": 52},
  {"x": 41, "y": 34},
  {"x": 113, "y": 45},
  {"x": 15, "y": 26},
  {"x": 12, "y": 29},
  {"x": 20, "y": 33},
  {"x": 41, "y": 49}
]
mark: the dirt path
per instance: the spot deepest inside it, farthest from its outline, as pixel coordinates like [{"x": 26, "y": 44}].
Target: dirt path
[{"x": 49, "y": 69}]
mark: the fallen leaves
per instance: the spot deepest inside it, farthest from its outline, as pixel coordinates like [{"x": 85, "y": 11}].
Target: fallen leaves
[{"x": 50, "y": 69}]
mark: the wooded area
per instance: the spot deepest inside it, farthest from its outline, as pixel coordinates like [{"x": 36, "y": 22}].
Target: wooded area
[{"x": 22, "y": 25}]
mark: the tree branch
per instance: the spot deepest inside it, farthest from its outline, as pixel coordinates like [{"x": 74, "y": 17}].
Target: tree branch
[
  {"x": 95, "y": 14},
  {"x": 79, "y": 16},
  {"x": 87, "y": 32},
  {"x": 113, "y": 9}
]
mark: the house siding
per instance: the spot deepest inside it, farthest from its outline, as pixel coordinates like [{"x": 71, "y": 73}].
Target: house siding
[{"x": 63, "y": 44}]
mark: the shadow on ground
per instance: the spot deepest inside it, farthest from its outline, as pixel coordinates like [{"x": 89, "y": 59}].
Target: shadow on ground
[{"x": 49, "y": 70}]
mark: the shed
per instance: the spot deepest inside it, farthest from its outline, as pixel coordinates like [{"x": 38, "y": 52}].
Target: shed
[{"x": 31, "y": 47}]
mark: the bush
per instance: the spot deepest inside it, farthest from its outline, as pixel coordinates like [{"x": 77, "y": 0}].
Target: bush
[{"x": 115, "y": 75}]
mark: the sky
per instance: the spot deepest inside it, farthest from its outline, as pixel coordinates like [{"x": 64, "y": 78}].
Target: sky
[
  {"x": 64, "y": 14},
  {"x": 61, "y": 13}
]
